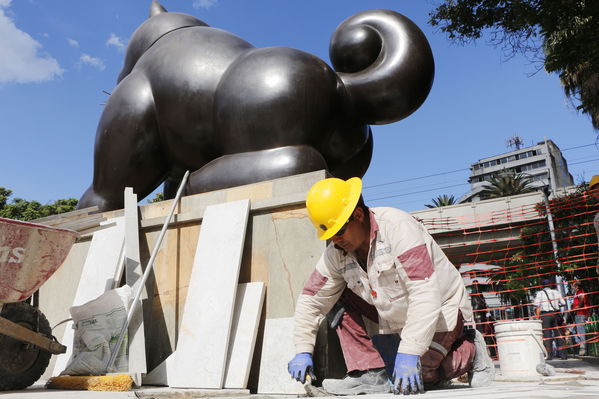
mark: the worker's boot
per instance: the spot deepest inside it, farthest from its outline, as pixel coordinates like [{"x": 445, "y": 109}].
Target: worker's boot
[
  {"x": 483, "y": 369},
  {"x": 359, "y": 382}
]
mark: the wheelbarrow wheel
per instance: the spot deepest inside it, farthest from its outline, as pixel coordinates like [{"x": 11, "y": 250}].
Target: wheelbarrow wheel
[{"x": 21, "y": 364}]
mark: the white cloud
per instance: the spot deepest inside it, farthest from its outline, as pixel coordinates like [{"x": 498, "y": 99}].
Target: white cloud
[
  {"x": 204, "y": 3},
  {"x": 73, "y": 43},
  {"x": 116, "y": 41},
  {"x": 22, "y": 61},
  {"x": 87, "y": 59}
]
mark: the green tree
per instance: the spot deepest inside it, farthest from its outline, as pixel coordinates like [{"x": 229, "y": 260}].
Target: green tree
[
  {"x": 442, "y": 200},
  {"x": 157, "y": 198},
  {"x": 4, "y": 194},
  {"x": 504, "y": 184},
  {"x": 562, "y": 35},
  {"x": 21, "y": 209}
]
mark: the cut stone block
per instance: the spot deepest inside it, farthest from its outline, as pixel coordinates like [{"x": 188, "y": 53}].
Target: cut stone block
[
  {"x": 104, "y": 258},
  {"x": 134, "y": 274},
  {"x": 248, "y": 308},
  {"x": 277, "y": 351},
  {"x": 201, "y": 353}
]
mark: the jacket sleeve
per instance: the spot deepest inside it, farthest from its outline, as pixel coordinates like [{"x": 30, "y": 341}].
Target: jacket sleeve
[
  {"x": 416, "y": 270},
  {"x": 321, "y": 291},
  {"x": 538, "y": 300}
]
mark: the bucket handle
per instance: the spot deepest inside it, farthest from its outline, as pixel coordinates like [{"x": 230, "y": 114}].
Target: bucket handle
[{"x": 538, "y": 343}]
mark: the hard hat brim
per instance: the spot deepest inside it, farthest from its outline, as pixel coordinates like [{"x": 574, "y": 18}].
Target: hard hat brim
[{"x": 355, "y": 190}]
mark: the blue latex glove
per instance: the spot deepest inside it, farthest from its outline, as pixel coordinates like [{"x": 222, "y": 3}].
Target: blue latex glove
[
  {"x": 407, "y": 374},
  {"x": 300, "y": 365}
]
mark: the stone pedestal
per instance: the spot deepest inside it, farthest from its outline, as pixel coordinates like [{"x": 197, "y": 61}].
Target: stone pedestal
[{"x": 281, "y": 249}]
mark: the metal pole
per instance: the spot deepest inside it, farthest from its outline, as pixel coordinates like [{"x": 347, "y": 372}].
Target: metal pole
[
  {"x": 558, "y": 277},
  {"x": 149, "y": 267}
]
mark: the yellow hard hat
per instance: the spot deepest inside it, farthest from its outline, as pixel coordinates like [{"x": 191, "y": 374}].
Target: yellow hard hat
[
  {"x": 330, "y": 203},
  {"x": 594, "y": 181}
]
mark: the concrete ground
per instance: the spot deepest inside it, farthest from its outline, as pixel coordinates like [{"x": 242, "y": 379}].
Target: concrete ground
[{"x": 575, "y": 379}]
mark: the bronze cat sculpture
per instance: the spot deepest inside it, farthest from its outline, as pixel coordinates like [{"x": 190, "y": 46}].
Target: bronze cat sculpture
[{"x": 193, "y": 97}]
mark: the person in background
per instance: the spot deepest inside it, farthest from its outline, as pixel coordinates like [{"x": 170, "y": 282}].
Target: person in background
[
  {"x": 391, "y": 276},
  {"x": 489, "y": 334},
  {"x": 482, "y": 317},
  {"x": 580, "y": 307},
  {"x": 548, "y": 302}
]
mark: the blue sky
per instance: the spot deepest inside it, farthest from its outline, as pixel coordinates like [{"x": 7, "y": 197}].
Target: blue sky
[{"x": 57, "y": 56}]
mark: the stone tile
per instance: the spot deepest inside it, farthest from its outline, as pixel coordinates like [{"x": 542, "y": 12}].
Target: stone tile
[
  {"x": 289, "y": 266},
  {"x": 298, "y": 183},
  {"x": 277, "y": 350},
  {"x": 205, "y": 327},
  {"x": 65, "y": 282},
  {"x": 134, "y": 274},
  {"x": 104, "y": 257},
  {"x": 254, "y": 192},
  {"x": 246, "y": 318}
]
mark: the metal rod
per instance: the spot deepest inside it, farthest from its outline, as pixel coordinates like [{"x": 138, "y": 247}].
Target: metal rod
[{"x": 149, "y": 267}]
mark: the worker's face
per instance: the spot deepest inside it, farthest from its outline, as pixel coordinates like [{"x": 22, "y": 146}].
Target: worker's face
[
  {"x": 595, "y": 192},
  {"x": 354, "y": 234}
]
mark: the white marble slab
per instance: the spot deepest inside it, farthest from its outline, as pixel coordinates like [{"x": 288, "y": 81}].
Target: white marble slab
[
  {"x": 134, "y": 274},
  {"x": 104, "y": 258},
  {"x": 246, "y": 318},
  {"x": 277, "y": 351},
  {"x": 206, "y": 322}
]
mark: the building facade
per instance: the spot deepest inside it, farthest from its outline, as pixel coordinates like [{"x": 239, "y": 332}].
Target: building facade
[{"x": 543, "y": 162}]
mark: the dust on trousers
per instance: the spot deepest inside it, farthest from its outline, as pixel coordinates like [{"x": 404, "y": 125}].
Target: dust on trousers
[{"x": 450, "y": 354}]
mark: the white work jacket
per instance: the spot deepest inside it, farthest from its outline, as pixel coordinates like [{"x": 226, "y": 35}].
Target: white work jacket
[
  {"x": 549, "y": 300},
  {"x": 414, "y": 287}
]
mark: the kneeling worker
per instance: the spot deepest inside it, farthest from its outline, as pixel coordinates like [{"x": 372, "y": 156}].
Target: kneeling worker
[{"x": 386, "y": 270}]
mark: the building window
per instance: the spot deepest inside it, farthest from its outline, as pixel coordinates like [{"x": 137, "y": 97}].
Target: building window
[{"x": 531, "y": 166}]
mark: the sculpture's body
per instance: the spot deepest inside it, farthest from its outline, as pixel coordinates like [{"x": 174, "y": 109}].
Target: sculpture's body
[{"x": 193, "y": 97}]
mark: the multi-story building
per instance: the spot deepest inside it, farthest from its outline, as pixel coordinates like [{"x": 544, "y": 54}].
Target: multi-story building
[{"x": 543, "y": 162}]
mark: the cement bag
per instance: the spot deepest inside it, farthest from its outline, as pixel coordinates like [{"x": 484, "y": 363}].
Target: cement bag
[{"x": 97, "y": 325}]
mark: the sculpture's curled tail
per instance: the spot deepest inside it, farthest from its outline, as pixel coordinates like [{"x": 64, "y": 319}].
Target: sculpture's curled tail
[{"x": 385, "y": 63}]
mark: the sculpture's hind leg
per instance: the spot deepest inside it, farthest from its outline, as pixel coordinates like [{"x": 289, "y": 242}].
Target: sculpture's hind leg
[
  {"x": 251, "y": 167},
  {"x": 127, "y": 151}
]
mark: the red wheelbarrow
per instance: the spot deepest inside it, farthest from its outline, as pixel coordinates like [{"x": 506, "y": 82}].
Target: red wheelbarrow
[{"x": 29, "y": 254}]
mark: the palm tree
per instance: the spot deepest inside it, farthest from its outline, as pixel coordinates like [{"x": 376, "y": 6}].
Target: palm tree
[
  {"x": 505, "y": 184},
  {"x": 442, "y": 200}
]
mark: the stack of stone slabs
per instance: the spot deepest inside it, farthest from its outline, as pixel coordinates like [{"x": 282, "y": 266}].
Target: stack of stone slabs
[
  {"x": 204, "y": 357},
  {"x": 281, "y": 249},
  {"x": 201, "y": 352}
]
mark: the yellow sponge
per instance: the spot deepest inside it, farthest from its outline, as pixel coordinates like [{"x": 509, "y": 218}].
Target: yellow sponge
[{"x": 116, "y": 382}]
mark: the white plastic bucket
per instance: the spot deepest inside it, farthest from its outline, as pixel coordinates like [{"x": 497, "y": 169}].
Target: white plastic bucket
[{"x": 520, "y": 347}]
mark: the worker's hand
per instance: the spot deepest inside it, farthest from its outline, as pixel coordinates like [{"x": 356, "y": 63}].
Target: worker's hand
[
  {"x": 407, "y": 375},
  {"x": 300, "y": 365}
]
